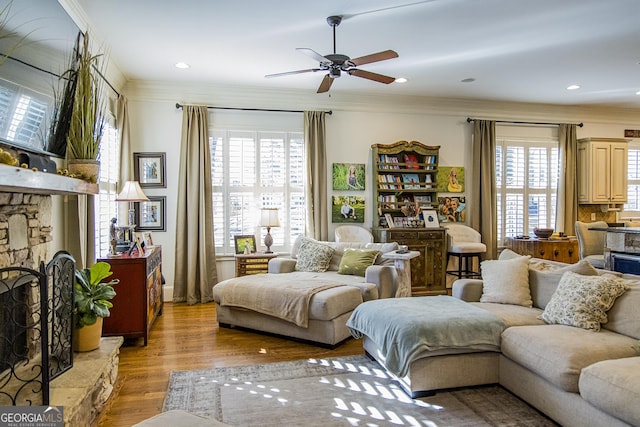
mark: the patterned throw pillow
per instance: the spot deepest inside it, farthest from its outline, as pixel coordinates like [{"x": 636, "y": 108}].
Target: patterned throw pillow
[
  {"x": 583, "y": 301},
  {"x": 313, "y": 256},
  {"x": 356, "y": 261}
]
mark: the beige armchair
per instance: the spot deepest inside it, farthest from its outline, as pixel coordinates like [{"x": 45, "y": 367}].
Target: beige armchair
[
  {"x": 353, "y": 233},
  {"x": 591, "y": 242}
]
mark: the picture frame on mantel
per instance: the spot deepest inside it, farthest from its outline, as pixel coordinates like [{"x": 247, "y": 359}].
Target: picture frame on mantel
[{"x": 149, "y": 169}]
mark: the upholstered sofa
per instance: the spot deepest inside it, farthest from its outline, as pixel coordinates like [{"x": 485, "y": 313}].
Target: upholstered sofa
[
  {"x": 347, "y": 285},
  {"x": 576, "y": 376}
]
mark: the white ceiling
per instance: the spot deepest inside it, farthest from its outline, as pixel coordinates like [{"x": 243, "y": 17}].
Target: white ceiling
[{"x": 516, "y": 50}]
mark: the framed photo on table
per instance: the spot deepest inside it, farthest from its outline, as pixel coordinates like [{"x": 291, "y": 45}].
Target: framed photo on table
[
  {"x": 245, "y": 241},
  {"x": 149, "y": 169},
  {"x": 151, "y": 215},
  {"x": 430, "y": 218}
]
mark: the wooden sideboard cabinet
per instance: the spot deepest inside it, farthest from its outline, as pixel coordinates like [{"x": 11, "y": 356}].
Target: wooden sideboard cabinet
[
  {"x": 429, "y": 269},
  {"x": 551, "y": 249},
  {"x": 138, "y": 299}
]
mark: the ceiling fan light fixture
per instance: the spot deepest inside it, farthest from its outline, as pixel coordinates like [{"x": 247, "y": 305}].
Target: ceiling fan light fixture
[{"x": 334, "y": 73}]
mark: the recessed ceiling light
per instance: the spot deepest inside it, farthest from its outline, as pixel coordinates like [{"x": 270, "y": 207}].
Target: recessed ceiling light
[
  {"x": 573, "y": 87},
  {"x": 401, "y": 80},
  {"x": 468, "y": 80},
  {"x": 182, "y": 65},
  {"x": 638, "y": 92}
]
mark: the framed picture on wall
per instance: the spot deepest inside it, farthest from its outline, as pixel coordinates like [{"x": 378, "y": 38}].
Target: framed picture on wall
[
  {"x": 149, "y": 169},
  {"x": 151, "y": 215}
]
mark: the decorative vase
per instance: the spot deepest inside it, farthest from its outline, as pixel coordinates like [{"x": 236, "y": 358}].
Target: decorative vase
[
  {"x": 88, "y": 337},
  {"x": 87, "y": 168}
]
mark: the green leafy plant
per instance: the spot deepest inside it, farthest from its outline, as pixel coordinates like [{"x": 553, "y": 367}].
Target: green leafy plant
[
  {"x": 87, "y": 116},
  {"x": 92, "y": 295}
]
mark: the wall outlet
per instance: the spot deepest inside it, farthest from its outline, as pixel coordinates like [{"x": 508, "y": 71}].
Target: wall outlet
[{"x": 593, "y": 216}]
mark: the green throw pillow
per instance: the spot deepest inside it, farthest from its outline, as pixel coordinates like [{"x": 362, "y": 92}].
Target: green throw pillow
[
  {"x": 356, "y": 261},
  {"x": 313, "y": 256}
]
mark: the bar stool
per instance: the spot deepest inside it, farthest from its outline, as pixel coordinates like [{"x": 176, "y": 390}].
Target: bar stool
[{"x": 464, "y": 243}]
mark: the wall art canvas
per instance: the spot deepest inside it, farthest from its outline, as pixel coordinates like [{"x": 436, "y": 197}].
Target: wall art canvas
[
  {"x": 450, "y": 179},
  {"x": 349, "y": 209},
  {"x": 348, "y": 176},
  {"x": 452, "y": 209}
]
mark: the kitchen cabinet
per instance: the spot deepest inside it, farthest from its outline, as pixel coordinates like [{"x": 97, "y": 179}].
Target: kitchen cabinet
[{"x": 602, "y": 170}]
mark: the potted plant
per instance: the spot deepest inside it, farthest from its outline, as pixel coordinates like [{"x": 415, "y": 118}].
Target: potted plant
[
  {"x": 92, "y": 304},
  {"x": 87, "y": 116}
]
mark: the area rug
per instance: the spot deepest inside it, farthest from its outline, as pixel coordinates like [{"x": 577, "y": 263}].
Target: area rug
[{"x": 342, "y": 391}]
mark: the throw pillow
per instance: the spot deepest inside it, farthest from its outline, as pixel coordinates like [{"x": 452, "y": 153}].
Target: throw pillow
[
  {"x": 356, "y": 261},
  {"x": 544, "y": 279},
  {"x": 313, "y": 256},
  {"x": 583, "y": 301},
  {"x": 509, "y": 254},
  {"x": 506, "y": 281},
  {"x": 383, "y": 248}
]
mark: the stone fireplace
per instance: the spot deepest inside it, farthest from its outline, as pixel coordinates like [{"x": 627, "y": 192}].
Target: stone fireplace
[
  {"x": 36, "y": 301},
  {"x": 27, "y": 206}
]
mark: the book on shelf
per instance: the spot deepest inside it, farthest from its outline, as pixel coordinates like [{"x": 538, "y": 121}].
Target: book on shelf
[
  {"x": 411, "y": 180},
  {"x": 387, "y": 201}
]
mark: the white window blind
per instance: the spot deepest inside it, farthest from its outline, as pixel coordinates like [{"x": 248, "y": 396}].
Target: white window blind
[
  {"x": 632, "y": 207},
  {"x": 253, "y": 170},
  {"x": 526, "y": 183},
  {"x": 106, "y": 206}
]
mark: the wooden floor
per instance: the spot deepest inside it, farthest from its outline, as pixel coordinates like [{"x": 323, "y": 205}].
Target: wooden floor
[{"x": 185, "y": 338}]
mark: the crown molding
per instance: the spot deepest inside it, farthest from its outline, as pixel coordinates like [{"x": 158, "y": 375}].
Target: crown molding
[{"x": 256, "y": 97}]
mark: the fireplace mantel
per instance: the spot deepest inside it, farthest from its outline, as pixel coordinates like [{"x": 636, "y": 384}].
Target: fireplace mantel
[{"x": 20, "y": 180}]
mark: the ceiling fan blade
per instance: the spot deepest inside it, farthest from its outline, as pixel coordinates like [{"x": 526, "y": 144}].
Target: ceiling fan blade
[
  {"x": 372, "y": 76},
  {"x": 313, "y": 54},
  {"x": 288, "y": 73},
  {"x": 375, "y": 57},
  {"x": 326, "y": 84}
]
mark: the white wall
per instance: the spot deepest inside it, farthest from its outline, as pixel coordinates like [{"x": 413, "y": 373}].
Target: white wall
[{"x": 356, "y": 123}]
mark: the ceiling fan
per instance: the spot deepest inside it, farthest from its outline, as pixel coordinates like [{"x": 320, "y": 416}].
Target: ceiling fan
[{"x": 336, "y": 63}]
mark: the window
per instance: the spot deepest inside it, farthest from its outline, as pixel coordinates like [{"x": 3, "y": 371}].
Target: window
[
  {"x": 632, "y": 207},
  {"x": 526, "y": 183},
  {"x": 255, "y": 169},
  {"x": 106, "y": 206}
]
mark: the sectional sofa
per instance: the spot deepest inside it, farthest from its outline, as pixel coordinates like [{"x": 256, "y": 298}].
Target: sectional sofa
[{"x": 577, "y": 375}]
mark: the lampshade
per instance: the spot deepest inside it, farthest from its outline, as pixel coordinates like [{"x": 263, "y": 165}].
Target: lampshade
[
  {"x": 131, "y": 192},
  {"x": 269, "y": 217}
]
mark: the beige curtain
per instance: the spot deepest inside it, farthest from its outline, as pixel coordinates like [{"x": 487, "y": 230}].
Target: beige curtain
[
  {"x": 195, "y": 261},
  {"x": 122, "y": 124},
  {"x": 483, "y": 184},
  {"x": 567, "y": 199},
  {"x": 81, "y": 218},
  {"x": 316, "y": 195}
]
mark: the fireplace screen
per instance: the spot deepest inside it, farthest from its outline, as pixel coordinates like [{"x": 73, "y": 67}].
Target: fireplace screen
[{"x": 36, "y": 320}]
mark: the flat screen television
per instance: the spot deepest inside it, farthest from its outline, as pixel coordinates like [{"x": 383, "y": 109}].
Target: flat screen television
[{"x": 37, "y": 37}]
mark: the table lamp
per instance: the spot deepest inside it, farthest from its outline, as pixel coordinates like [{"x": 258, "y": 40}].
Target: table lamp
[
  {"x": 131, "y": 192},
  {"x": 269, "y": 218}
]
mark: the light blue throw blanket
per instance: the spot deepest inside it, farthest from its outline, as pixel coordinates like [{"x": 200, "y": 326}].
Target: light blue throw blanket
[{"x": 402, "y": 328}]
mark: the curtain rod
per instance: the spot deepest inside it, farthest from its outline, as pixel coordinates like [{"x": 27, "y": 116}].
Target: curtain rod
[
  {"x": 178, "y": 106},
  {"x": 469, "y": 120}
]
